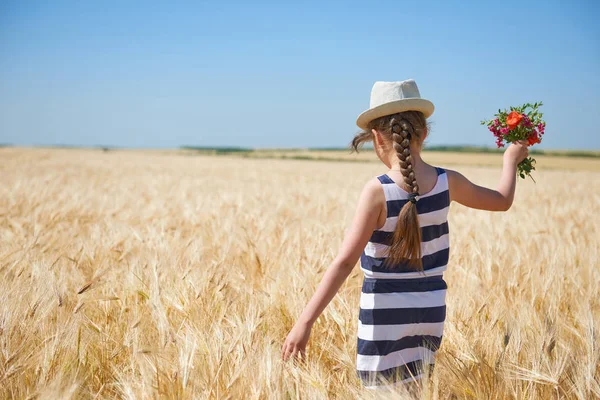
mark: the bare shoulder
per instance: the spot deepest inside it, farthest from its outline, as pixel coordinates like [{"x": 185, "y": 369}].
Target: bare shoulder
[
  {"x": 373, "y": 189},
  {"x": 372, "y": 198},
  {"x": 372, "y": 201},
  {"x": 456, "y": 181},
  {"x": 453, "y": 174},
  {"x": 455, "y": 177}
]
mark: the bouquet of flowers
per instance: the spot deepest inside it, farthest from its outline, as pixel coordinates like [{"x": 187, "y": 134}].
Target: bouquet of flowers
[{"x": 520, "y": 123}]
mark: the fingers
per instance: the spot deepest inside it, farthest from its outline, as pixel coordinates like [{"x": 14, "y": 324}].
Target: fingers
[
  {"x": 287, "y": 350},
  {"x": 524, "y": 147},
  {"x": 293, "y": 352},
  {"x": 283, "y": 348},
  {"x": 302, "y": 354},
  {"x": 298, "y": 355}
]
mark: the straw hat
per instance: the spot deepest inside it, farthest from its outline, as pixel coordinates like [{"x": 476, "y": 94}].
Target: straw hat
[{"x": 393, "y": 97}]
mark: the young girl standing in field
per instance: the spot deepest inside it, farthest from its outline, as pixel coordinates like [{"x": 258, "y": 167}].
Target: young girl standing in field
[{"x": 400, "y": 233}]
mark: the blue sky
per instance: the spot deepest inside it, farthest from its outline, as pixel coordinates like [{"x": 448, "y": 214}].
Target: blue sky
[{"x": 283, "y": 74}]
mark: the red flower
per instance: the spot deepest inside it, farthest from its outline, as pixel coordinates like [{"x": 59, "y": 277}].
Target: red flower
[
  {"x": 513, "y": 120},
  {"x": 533, "y": 139}
]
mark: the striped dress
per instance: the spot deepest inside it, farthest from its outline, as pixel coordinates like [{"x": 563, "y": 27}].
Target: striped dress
[{"x": 402, "y": 314}]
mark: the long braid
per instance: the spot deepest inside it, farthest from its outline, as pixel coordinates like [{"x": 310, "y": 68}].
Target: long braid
[
  {"x": 402, "y": 132},
  {"x": 406, "y": 242}
]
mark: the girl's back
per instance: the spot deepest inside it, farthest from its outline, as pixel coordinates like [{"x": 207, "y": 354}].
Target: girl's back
[
  {"x": 432, "y": 208},
  {"x": 402, "y": 311}
]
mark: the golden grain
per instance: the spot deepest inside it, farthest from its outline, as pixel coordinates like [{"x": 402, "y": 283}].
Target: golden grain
[{"x": 196, "y": 267}]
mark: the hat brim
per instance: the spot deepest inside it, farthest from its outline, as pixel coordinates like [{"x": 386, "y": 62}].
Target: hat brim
[{"x": 425, "y": 106}]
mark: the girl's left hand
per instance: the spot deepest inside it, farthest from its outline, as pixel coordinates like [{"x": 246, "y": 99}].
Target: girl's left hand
[{"x": 295, "y": 343}]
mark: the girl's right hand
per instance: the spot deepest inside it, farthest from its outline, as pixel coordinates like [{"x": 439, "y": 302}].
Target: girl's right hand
[
  {"x": 516, "y": 152},
  {"x": 295, "y": 343}
]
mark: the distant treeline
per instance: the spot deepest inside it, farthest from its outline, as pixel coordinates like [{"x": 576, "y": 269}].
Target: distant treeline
[
  {"x": 224, "y": 150},
  {"x": 219, "y": 150},
  {"x": 65, "y": 146},
  {"x": 452, "y": 149}
]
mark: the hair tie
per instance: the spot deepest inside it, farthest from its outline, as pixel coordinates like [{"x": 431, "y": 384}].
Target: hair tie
[{"x": 412, "y": 197}]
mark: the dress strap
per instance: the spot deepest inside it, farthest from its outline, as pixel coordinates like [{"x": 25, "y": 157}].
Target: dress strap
[{"x": 385, "y": 179}]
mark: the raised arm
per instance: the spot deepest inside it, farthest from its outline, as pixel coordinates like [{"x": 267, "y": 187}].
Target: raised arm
[
  {"x": 468, "y": 194},
  {"x": 371, "y": 206}
]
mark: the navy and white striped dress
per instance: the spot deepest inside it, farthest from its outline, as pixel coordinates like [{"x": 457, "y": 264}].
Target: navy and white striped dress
[{"x": 402, "y": 312}]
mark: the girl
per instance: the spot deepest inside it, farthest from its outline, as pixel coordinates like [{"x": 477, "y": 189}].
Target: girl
[{"x": 401, "y": 229}]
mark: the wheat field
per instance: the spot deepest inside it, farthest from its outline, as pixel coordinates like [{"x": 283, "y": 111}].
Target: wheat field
[{"x": 142, "y": 275}]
